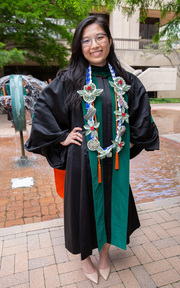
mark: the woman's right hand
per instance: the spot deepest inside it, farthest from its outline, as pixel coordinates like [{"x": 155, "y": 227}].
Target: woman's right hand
[{"x": 74, "y": 137}]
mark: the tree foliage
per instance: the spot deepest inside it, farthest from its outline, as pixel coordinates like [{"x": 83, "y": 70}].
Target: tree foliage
[
  {"x": 31, "y": 26},
  {"x": 7, "y": 57},
  {"x": 171, "y": 31}
]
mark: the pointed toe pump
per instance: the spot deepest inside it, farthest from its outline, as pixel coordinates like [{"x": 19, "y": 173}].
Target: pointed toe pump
[
  {"x": 93, "y": 277},
  {"x": 105, "y": 273}
]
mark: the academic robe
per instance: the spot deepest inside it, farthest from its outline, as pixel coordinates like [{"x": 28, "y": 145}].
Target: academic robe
[{"x": 94, "y": 213}]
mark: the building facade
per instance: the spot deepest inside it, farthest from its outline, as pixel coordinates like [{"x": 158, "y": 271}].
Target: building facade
[{"x": 130, "y": 38}]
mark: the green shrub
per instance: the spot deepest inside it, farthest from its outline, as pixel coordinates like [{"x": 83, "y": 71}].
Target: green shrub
[{"x": 164, "y": 100}]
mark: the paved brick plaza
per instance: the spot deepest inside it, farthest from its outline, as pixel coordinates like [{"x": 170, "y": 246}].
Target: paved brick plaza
[{"x": 33, "y": 255}]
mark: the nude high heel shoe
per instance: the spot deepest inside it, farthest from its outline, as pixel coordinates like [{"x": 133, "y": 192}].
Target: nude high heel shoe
[
  {"x": 93, "y": 277},
  {"x": 105, "y": 273},
  {"x": 105, "y": 253}
]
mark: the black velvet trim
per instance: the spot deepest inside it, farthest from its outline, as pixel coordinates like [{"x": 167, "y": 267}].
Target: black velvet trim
[{"x": 107, "y": 162}]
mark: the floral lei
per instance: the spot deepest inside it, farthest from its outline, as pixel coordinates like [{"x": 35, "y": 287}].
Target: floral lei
[{"x": 89, "y": 94}]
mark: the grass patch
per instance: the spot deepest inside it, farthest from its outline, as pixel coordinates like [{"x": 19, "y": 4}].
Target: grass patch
[{"x": 164, "y": 100}]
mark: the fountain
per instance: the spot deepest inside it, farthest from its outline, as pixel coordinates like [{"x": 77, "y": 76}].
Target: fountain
[{"x": 19, "y": 100}]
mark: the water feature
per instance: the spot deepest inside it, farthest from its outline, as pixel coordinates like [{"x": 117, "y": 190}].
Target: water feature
[{"x": 156, "y": 175}]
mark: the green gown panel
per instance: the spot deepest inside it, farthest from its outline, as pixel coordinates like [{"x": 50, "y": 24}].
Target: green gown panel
[{"x": 120, "y": 178}]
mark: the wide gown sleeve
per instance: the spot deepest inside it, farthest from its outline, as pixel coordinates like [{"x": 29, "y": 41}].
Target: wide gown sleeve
[
  {"x": 50, "y": 125},
  {"x": 143, "y": 131}
]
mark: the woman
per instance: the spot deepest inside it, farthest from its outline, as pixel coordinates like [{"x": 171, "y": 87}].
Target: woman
[{"x": 86, "y": 131}]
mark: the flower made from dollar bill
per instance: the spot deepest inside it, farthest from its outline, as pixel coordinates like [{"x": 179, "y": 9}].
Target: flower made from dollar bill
[
  {"x": 89, "y": 92},
  {"x": 104, "y": 152},
  {"x": 120, "y": 85},
  {"x": 122, "y": 115},
  {"x": 119, "y": 144},
  {"x": 91, "y": 128}
]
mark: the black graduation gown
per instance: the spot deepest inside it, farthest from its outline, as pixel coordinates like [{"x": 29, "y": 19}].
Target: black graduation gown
[{"x": 51, "y": 125}]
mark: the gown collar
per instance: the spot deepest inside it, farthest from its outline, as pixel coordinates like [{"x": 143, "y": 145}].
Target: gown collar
[{"x": 101, "y": 71}]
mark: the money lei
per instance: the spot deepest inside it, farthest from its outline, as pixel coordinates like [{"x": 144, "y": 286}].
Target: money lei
[{"x": 89, "y": 94}]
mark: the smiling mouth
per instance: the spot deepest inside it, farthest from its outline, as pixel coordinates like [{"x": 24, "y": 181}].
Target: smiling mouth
[{"x": 96, "y": 52}]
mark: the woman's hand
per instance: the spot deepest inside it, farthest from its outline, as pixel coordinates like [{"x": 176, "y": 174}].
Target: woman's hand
[
  {"x": 73, "y": 137},
  {"x": 131, "y": 144}
]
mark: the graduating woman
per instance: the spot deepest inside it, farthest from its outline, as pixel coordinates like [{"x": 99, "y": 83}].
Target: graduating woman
[{"x": 91, "y": 120}]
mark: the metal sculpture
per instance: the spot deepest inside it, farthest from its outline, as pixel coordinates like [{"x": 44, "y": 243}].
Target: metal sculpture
[{"x": 19, "y": 100}]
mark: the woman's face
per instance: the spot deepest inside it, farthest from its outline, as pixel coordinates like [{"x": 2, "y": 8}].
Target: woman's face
[{"x": 97, "y": 49}]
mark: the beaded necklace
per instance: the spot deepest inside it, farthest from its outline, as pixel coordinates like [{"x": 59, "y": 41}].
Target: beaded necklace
[{"x": 89, "y": 94}]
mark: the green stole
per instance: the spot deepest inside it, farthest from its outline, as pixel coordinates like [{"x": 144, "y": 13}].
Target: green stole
[{"x": 120, "y": 177}]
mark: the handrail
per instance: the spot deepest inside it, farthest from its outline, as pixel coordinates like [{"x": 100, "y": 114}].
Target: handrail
[
  {"x": 133, "y": 44},
  {"x": 140, "y": 44}
]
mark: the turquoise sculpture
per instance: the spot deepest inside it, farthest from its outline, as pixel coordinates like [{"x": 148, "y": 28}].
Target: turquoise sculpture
[{"x": 17, "y": 100}]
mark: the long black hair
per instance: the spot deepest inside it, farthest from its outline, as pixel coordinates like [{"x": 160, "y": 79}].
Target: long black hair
[{"x": 75, "y": 73}]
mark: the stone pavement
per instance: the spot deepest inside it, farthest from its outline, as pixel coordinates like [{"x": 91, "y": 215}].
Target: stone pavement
[{"x": 33, "y": 255}]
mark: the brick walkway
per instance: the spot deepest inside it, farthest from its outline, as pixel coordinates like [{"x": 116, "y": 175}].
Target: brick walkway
[{"x": 33, "y": 255}]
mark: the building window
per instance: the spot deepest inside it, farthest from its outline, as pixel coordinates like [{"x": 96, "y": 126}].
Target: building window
[
  {"x": 147, "y": 30},
  {"x": 152, "y": 94}
]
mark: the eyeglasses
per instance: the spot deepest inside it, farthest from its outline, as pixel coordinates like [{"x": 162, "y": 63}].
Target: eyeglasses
[{"x": 99, "y": 38}]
